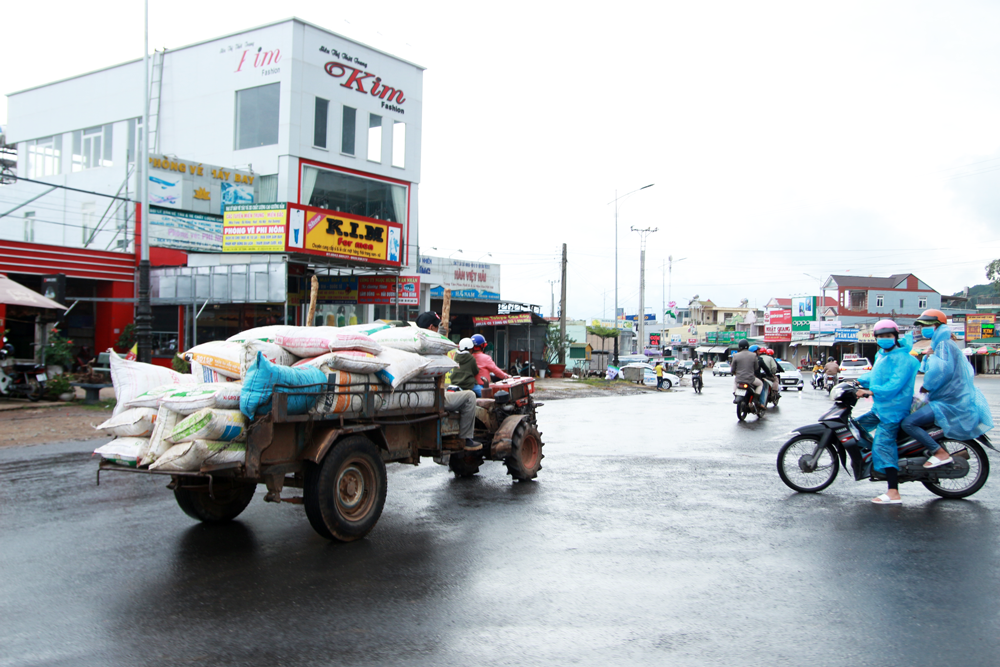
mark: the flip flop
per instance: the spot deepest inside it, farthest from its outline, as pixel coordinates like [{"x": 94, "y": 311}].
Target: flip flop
[
  {"x": 884, "y": 499},
  {"x": 935, "y": 462}
]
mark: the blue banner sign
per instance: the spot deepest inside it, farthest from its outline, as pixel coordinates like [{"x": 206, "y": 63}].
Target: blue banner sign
[{"x": 846, "y": 335}]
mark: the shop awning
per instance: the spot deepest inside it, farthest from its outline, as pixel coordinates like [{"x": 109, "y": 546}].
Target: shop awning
[
  {"x": 812, "y": 343},
  {"x": 703, "y": 348},
  {"x": 15, "y": 294},
  {"x": 719, "y": 349}
]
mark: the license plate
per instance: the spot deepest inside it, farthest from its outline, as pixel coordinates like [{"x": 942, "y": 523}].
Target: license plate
[
  {"x": 41, "y": 377},
  {"x": 740, "y": 392}
]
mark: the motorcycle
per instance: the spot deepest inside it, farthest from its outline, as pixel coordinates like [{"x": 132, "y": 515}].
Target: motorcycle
[
  {"x": 773, "y": 395},
  {"x": 817, "y": 379},
  {"x": 696, "y": 380},
  {"x": 811, "y": 459},
  {"x": 26, "y": 380},
  {"x": 747, "y": 401},
  {"x": 829, "y": 382}
]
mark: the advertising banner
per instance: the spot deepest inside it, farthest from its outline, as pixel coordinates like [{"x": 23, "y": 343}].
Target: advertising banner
[
  {"x": 337, "y": 290},
  {"x": 978, "y": 327},
  {"x": 380, "y": 290},
  {"x": 502, "y": 320},
  {"x": 826, "y": 326},
  {"x": 845, "y": 335},
  {"x": 332, "y": 234},
  {"x": 469, "y": 281},
  {"x": 692, "y": 341},
  {"x": 778, "y": 326},
  {"x": 803, "y": 312},
  {"x": 654, "y": 339},
  {"x": 189, "y": 185},
  {"x": 182, "y": 230},
  {"x": 254, "y": 228},
  {"x": 712, "y": 337},
  {"x": 957, "y": 326},
  {"x": 650, "y": 317}
]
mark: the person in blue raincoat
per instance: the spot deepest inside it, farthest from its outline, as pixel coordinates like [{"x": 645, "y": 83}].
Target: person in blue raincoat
[
  {"x": 955, "y": 404},
  {"x": 890, "y": 384}
]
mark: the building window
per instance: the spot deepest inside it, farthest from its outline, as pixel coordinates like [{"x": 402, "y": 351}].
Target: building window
[
  {"x": 29, "y": 226},
  {"x": 398, "y": 144},
  {"x": 900, "y": 303},
  {"x": 87, "y": 215},
  {"x": 92, "y": 147},
  {"x": 319, "y": 122},
  {"x": 336, "y": 191},
  {"x": 43, "y": 156},
  {"x": 347, "y": 131},
  {"x": 374, "y": 138},
  {"x": 257, "y": 116},
  {"x": 134, "y": 138},
  {"x": 269, "y": 188},
  {"x": 859, "y": 300},
  {"x": 922, "y": 302},
  {"x": 879, "y": 299}
]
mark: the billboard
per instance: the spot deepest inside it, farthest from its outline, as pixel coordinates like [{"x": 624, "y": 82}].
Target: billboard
[
  {"x": 334, "y": 234},
  {"x": 978, "y": 327},
  {"x": 778, "y": 326},
  {"x": 254, "y": 228},
  {"x": 469, "y": 281},
  {"x": 183, "y": 230},
  {"x": 189, "y": 185},
  {"x": 804, "y": 309},
  {"x": 378, "y": 290}
]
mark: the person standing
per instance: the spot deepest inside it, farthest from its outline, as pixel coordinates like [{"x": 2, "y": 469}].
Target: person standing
[{"x": 658, "y": 369}]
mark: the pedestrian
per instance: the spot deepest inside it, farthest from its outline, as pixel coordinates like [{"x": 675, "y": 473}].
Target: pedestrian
[{"x": 659, "y": 376}]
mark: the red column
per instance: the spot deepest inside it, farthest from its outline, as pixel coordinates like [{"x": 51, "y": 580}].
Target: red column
[
  {"x": 3, "y": 318},
  {"x": 112, "y": 317}
]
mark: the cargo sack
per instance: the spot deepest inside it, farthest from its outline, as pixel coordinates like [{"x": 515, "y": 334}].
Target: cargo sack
[
  {"x": 412, "y": 396},
  {"x": 185, "y": 457},
  {"x": 438, "y": 365},
  {"x": 157, "y": 444},
  {"x": 344, "y": 393},
  {"x": 402, "y": 366},
  {"x": 366, "y": 329},
  {"x": 352, "y": 361},
  {"x": 206, "y": 374},
  {"x": 263, "y": 378},
  {"x": 267, "y": 334},
  {"x": 123, "y": 451},
  {"x": 210, "y": 424},
  {"x": 224, "y": 452},
  {"x": 219, "y": 355},
  {"x": 224, "y": 395},
  {"x": 314, "y": 341},
  {"x": 412, "y": 339},
  {"x": 271, "y": 351},
  {"x": 131, "y": 378},
  {"x": 154, "y": 397},
  {"x": 137, "y": 422}
]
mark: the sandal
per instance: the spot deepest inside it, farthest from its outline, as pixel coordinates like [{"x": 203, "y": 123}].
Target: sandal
[
  {"x": 884, "y": 499},
  {"x": 935, "y": 462}
]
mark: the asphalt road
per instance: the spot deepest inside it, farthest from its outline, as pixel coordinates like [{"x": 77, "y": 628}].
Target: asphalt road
[{"x": 658, "y": 533}]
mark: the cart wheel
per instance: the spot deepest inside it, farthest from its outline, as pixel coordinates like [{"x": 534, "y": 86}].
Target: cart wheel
[
  {"x": 231, "y": 498},
  {"x": 465, "y": 464},
  {"x": 345, "y": 493},
  {"x": 526, "y": 455}
]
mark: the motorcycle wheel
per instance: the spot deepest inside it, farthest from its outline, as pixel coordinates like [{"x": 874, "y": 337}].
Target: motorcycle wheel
[
  {"x": 790, "y": 465},
  {"x": 741, "y": 410},
  {"x": 35, "y": 390},
  {"x": 963, "y": 487},
  {"x": 776, "y": 396}
]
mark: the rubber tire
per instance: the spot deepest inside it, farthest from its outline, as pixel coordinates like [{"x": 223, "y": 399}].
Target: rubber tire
[
  {"x": 667, "y": 384},
  {"x": 231, "y": 498},
  {"x": 777, "y": 397},
  {"x": 741, "y": 410},
  {"x": 323, "y": 507},
  {"x": 985, "y": 473},
  {"x": 36, "y": 392},
  {"x": 465, "y": 464},
  {"x": 526, "y": 456},
  {"x": 792, "y": 485}
]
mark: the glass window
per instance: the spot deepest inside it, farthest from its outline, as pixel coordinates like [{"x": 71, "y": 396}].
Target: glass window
[
  {"x": 347, "y": 131},
  {"x": 374, "y": 137},
  {"x": 337, "y": 191},
  {"x": 922, "y": 302},
  {"x": 44, "y": 156},
  {"x": 268, "y": 188},
  {"x": 398, "y": 144},
  {"x": 89, "y": 219},
  {"x": 134, "y": 138},
  {"x": 92, "y": 147},
  {"x": 29, "y": 226},
  {"x": 878, "y": 300},
  {"x": 257, "y": 116},
  {"x": 319, "y": 122}
]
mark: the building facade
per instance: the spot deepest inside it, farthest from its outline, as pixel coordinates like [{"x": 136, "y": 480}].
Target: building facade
[{"x": 865, "y": 300}]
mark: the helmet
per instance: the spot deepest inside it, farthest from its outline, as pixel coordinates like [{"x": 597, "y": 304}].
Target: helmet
[
  {"x": 754, "y": 348},
  {"x": 829, "y": 359},
  {"x": 769, "y": 352},
  {"x": 465, "y": 344},
  {"x": 743, "y": 344},
  {"x": 479, "y": 340},
  {"x": 931, "y": 317},
  {"x": 428, "y": 320},
  {"x": 886, "y": 326}
]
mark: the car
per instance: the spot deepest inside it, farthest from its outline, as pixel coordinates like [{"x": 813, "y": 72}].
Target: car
[
  {"x": 722, "y": 368},
  {"x": 789, "y": 377},
  {"x": 649, "y": 375},
  {"x": 853, "y": 367}
]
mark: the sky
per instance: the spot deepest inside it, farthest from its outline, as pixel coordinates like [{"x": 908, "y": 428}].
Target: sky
[{"x": 785, "y": 141}]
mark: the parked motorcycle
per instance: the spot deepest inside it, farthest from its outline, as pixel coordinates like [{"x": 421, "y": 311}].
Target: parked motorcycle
[
  {"x": 811, "y": 459},
  {"x": 26, "y": 380},
  {"x": 747, "y": 401},
  {"x": 696, "y": 380}
]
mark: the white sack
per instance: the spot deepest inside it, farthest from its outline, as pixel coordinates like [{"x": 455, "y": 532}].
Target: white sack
[
  {"x": 438, "y": 365},
  {"x": 210, "y": 424},
  {"x": 206, "y": 374},
  {"x": 412, "y": 339},
  {"x": 225, "y": 452},
  {"x": 402, "y": 366},
  {"x": 185, "y": 457},
  {"x": 271, "y": 351},
  {"x": 132, "y": 378},
  {"x": 137, "y": 422},
  {"x": 267, "y": 334},
  {"x": 157, "y": 444},
  {"x": 219, "y": 355},
  {"x": 225, "y": 395},
  {"x": 314, "y": 341},
  {"x": 346, "y": 393},
  {"x": 123, "y": 451},
  {"x": 352, "y": 361}
]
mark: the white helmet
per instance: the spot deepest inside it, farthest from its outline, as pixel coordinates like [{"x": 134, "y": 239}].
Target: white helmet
[{"x": 465, "y": 345}]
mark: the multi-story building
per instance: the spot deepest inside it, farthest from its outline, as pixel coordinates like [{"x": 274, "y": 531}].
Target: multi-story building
[{"x": 865, "y": 300}]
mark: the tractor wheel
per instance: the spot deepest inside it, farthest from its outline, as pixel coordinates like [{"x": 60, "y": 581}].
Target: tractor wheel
[
  {"x": 526, "y": 456},
  {"x": 465, "y": 464},
  {"x": 231, "y": 498},
  {"x": 345, "y": 493}
]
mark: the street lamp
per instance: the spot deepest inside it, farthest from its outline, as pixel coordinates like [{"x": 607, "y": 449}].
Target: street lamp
[
  {"x": 489, "y": 254},
  {"x": 615, "y": 202}
]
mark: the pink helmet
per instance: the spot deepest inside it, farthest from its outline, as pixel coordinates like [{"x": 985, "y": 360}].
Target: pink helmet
[{"x": 885, "y": 327}]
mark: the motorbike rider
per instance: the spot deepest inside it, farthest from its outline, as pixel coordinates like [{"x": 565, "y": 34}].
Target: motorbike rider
[
  {"x": 767, "y": 356},
  {"x": 485, "y": 362},
  {"x": 890, "y": 384},
  {"x": 697, "y": 365},
  {"x": 832, "y": 369},
  {"x": 955, "y": 404},
  {"x": 746, "y": 368},
  {"x": 463, "y": 402}
]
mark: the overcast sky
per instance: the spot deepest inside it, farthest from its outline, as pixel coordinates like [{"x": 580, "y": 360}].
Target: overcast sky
[{"x": 783, "y": 139}]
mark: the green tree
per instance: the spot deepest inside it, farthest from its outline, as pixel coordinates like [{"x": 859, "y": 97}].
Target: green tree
[
  {"x": 554, "y": 342},
  {"x": 993, "y": 274},
  {"x": 603, "y": 333}
]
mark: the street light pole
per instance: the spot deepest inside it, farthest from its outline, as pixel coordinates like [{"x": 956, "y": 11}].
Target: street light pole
[
  {"x": 670, "y": 272},
  {"x": 615, "y": 202},
  {"x": 144, "y": 313},
  {"x": 643, "y": 233}
]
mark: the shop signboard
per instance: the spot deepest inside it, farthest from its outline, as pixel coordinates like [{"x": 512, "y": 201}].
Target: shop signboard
[
  {"x": 803, "y": 312},
  {"x": 826, "y": 326},
  {"x": 254, "y": 228},
  {"x": 502, "y": 320},
  {"x": 778, "y": 325},
  {"x": 189, "y": 185},
  {"x": 979, "y": 326},
  {"x": 380, "y": 290},
  {"x": 692, "y": 341},
  {"x": 333, "y": 234},
  {"x": 654, "y": 339},
  {"x": 724, "y": 337},
  {"x": 337, "y": 290},
  {"x": 650, "y": 317},
  {"x": 468, "y": 281},
  {"x": 183, "y": 230},
  {"x": 957, "y": 326},
  {"x": 676, "y": 338},
  {"x": 711, "y": 337},
  {"x": 845, "y": 335}
]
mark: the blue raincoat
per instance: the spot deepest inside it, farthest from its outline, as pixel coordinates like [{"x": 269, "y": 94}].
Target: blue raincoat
[
  {"x": 959, "y": 408},
  {"x": 891, "y": 383}
]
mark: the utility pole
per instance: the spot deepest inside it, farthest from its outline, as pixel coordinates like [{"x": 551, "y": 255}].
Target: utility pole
[
  {"x": 643, "y": 233},
  {"x": 144, "y": 313},
  {"x": 562, "y": 312},
  {"x": 670, "y": 271},
  {"x": 615, "y": 202},
  {"x": 552, "y": 294}
]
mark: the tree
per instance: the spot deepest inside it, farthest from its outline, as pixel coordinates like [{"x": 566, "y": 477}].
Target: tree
[
  {"x": 993, "y": 273},
  {"x": 554, "y": 342},
  {"x": 603, "y": 333}
]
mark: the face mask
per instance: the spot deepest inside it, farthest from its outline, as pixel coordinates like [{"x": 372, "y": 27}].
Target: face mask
[
  {"x": 886, "y": 343},
  {"x": 927, "y": 332}
]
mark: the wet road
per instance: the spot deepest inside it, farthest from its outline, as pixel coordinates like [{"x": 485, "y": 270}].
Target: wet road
[{"x": 658, "y": 533}]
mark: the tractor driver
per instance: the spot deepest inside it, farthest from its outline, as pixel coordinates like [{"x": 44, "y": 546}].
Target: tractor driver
[{"x": 463, "y": 402}]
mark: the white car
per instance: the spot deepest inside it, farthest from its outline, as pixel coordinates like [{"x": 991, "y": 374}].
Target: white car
[
  {"x": 853, "y": 367},
  {"x": 722, "y": 368},
  {"x": 649, "y": 375},
  {"x": 789, "y": 377}
]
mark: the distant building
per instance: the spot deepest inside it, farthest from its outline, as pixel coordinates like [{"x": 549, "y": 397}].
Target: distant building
[{"x": 865, "y": 300}]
